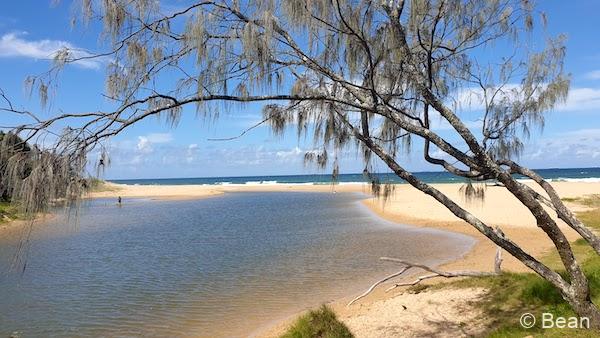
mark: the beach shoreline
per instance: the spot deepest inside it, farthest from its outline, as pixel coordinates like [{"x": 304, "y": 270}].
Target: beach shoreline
[{"x": 405, "y": 205}]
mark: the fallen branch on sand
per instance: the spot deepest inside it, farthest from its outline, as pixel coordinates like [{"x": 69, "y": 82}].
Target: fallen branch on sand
[{"x": 434, "y": 273}]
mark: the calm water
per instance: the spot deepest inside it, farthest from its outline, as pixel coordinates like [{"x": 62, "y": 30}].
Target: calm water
[
  {"x": 215, "y": 267},
  {"x": 569, "y": 174}
]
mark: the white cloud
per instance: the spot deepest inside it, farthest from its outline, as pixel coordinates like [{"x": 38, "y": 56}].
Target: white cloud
[
  {"x": 593, "y": 75},
  {"x": 469, "y": 99},
  {"x": 191, "y": 153},
  {"x": 472, "y": 99},
  {"x": 581, "y": 99},
  {"x": 290, "y": 154},
  {"x": 144, "y": 144},
  {"x": 14, "y": 45},
  {"x": 571, "y": 148}
]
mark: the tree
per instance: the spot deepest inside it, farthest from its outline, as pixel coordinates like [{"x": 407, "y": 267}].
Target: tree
[
  {"x": 367, "y": 75},
  {"x": 33, "y": 177},
  {"x": 11, "y": 146}
]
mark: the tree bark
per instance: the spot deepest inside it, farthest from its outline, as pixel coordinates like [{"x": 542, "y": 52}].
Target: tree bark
[
  {"x": 579, "y": 281},
  {"x": 585, "y": 308},
  {"x": 562, "y": 211}
]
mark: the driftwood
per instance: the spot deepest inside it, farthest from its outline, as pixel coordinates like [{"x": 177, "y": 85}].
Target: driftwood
[{"x": 433, "y": 273}]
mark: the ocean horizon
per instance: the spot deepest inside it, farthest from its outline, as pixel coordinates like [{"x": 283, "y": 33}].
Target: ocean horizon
[{"x": 550, "y": 174}]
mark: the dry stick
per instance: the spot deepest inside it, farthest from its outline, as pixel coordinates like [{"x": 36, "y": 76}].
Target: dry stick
[
  {"x": 498, "y": 260},
  {"x": 379, "y": 282},
  {"x": 434, "y": 273}
]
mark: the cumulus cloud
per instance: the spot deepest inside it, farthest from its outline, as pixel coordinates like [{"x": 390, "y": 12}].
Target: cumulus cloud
[
  {"x": 144, "y": 144},
  {"x": 575, "y": 148},
  {"x": 567, "y": 149},
  {"x": 191, "y": 153},
  {"x": 156, "y": 155},
  {"x": 252, "y": 155},
  {"x": 15, "y": 45},
  {"x": 581, "y": 99},
  {"x": 290, "y": 154}
]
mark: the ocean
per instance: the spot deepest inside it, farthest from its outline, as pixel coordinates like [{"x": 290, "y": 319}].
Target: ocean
[{"x": 570, "y": 174}]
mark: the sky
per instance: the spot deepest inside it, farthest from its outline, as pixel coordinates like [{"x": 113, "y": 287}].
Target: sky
[{"x": 32, "y": 30}]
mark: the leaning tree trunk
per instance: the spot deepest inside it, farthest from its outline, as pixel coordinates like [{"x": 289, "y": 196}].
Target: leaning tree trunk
[
  {"x": 557, "y": 204},
  {"x": 587, "y": 309},
  {"x": 576, "y": 293}
]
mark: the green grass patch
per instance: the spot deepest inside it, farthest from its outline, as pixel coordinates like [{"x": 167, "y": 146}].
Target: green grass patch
[
  {"x": 590, "y": 218},
  {"x": 8, "y": 212},
  {"x": 321, "y": 323},
  {"x": 510, "y": 295},
  {"x": 98, "y": 185},
  {"x": 592, "y": 201},
  {"x": 537, "y": 296}
]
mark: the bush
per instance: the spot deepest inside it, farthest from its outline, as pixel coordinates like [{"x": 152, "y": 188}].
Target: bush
[{"x": 321, "y": 323}]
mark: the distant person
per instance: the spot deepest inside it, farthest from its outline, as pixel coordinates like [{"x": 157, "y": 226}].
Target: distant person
[{"x": 119, "y": 201}]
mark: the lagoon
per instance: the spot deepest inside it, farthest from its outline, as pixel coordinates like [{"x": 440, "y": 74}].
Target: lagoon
[{"x": 223, "y": 266}]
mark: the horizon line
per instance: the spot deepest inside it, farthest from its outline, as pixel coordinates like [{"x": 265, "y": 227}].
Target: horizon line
[{"x": 313, "y": 174}]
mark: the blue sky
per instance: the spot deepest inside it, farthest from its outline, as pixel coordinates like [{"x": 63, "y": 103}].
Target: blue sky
[{"x": 31, "y": 30}]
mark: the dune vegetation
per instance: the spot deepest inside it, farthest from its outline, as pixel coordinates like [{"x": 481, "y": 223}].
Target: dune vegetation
[{"x": 321, "y": 323}]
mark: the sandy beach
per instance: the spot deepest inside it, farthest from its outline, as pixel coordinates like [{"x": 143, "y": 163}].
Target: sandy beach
[{"x": 381, "y": 312}]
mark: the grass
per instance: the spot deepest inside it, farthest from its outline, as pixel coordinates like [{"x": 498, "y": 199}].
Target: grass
[
  {"x": 320, "y": 323},
  {"x": 97, "y": 185},
  {"x": 591, "y": 217},
  {"x": 8, "y": 212},
  {"x": 513, "y": 294},
  {"x": 592, "y": 201}
]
